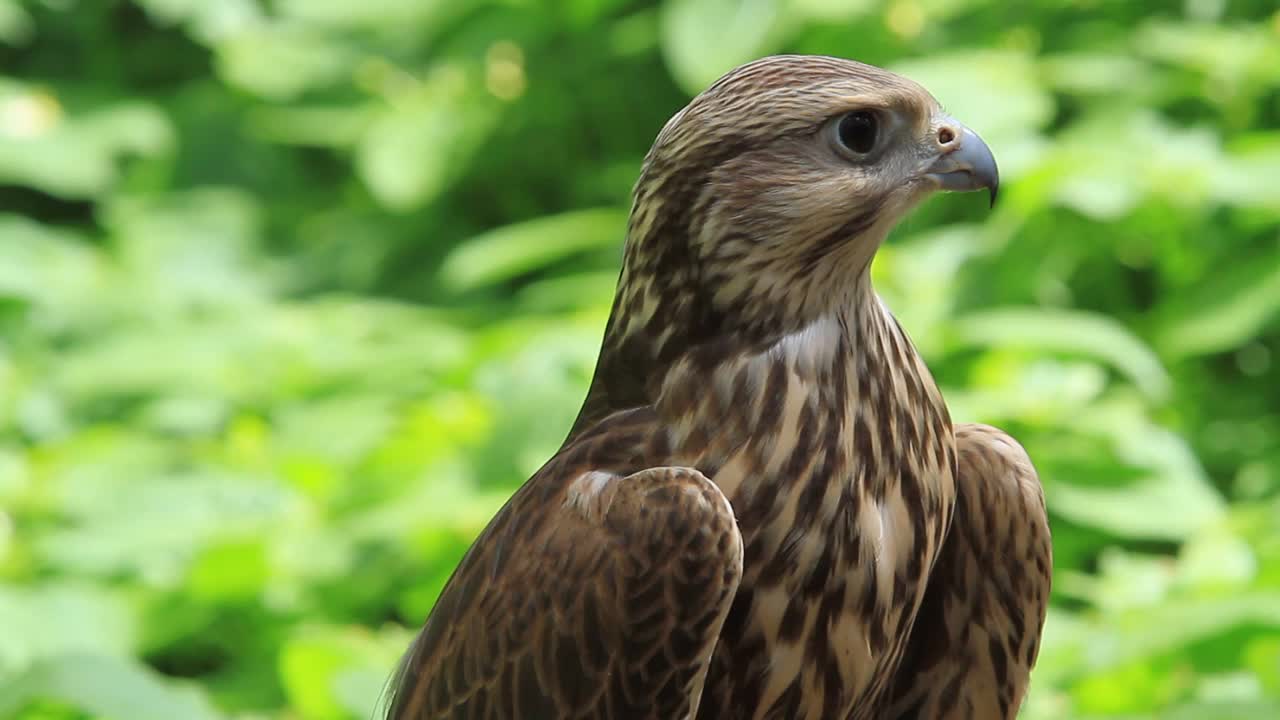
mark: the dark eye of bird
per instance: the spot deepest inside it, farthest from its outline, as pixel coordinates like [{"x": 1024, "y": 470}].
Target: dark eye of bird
[{"x": 857, "y": 131}]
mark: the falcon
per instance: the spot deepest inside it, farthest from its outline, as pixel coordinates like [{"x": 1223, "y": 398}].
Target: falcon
[{"x": 763, "y": 509}]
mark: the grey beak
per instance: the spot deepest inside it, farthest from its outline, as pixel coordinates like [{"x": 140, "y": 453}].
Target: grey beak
[{"x": 966, "y": 165}]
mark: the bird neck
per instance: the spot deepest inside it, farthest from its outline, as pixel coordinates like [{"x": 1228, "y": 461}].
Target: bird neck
[{"x": 650, "y": 333}]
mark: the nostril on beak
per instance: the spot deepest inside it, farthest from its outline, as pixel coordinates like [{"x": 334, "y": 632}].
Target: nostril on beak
[{"x": 946, "y": 136}]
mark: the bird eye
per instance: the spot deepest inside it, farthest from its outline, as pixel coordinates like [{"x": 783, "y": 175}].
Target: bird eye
[{"x": 857, "y": 131}]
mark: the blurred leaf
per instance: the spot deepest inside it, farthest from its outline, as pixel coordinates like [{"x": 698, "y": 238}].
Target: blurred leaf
[
  {"x": 322, "y": 126},
  {"x": 411, "y": 151},
  {"x": 830, "y": 10},
  {"x": 1223, "y": 711},
  {"x": 510, "y": 251},
  {"x": 76, "y": 156},
  {"x": 193, "y": 248},
  {"x": 1133, "y": 688},
  {"x": 1227, "y": 310},
  {"x": 570, "y": 292},
  {"x": 375, "y": 13},
  {"x": 328, "y": 671},
  {"x": 703, "y": 39},
  {"x": 155, "y": 526},
  {"x": 1245, "y": 178},
  {"x": 90, "y": 619},
  {"x": 996, "y": 93},
  {"x": 49, "y": 267},
  {"x": 1096, "y": 72},
  {"x": 1144, "y": 156},
  {"x": 105, "y": 687},
  {"x": 15, "y": 24},
  {"x": 207, "y": 21},
  {"x": 230, "y": 570},
  {"x": 281, "y": 61},
  {"x": 1212, "y": 561},
  {"x": 1173, "y": 500},
  {"x": 1067, "y": 331},
  {"x": 1263, "y": 657},
  {"x": 1175, "y": 624},
  {"x": 1231, "y": 56}
]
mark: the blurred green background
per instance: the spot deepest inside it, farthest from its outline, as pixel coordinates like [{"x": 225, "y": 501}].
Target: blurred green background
[{"x": 293, "y": 294}]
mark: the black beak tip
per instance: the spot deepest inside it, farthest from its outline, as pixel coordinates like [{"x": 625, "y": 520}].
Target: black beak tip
[{"x": 992, "y": 192}]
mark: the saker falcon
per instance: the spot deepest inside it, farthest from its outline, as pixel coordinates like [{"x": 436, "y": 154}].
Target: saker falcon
[{"x": 763, "y": 509}]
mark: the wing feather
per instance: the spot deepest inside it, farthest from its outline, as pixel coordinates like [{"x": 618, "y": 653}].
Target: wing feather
[
  {"x": 976, "y": 637},
  {"x": 591, "y": 594}
]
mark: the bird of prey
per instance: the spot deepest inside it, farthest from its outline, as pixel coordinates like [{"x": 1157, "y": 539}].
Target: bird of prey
[{"x": 763, "y": 509}]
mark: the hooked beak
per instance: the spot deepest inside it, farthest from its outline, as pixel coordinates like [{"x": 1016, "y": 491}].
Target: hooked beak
[{"x": 965, "y": 163}]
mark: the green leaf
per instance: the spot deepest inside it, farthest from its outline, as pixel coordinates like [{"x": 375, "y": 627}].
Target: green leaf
[
  {"x": 1245, "y": 177},
  {"x": 509, "y": 251},
  {"x": 281, "y": 61},
  {"x": 233, "y": 570},
  {"x": 418, "y": 14},
  {"x": 208, "y": 21},
  {"x": 194, "y": 248},
  {"x": 1095, "y": 72},
  {"x": 1069, "y": 331},
  {"x": 1178, "y": 623},
  {"x": 1232, "y": 55},
  {"x": 1115, "y": 157},
  {"x": 703, "y": 39},
  {"x": 90, "y": 619},
  {"x": 1227, "y": 710},
  {"x": 156, "y": 525},
  {"x": 830, "y": 10},
  {"x": 419, "y": 143},
  {"x": 47, "y": 266},
  {"x": 16, "y": 26},
  {"x": 105, "y": 687},
  {"x": 76, "y": 156},
  {"x": 1174, "y": 481},
  {"x": 995, "y": 92},
  {"x": 1226, "y": 311},
  {"x": 328, "y": 672}
]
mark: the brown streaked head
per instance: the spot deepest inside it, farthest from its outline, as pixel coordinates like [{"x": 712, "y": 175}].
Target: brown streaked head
[
  {"x": 761, "y": 204},
  {"x": 785, "y": 175}
]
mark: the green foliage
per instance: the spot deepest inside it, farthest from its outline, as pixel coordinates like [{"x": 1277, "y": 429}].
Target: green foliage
[{"x": 293, "y": 294}]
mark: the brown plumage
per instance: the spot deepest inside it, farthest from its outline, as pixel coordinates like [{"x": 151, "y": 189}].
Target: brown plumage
[{"x": 763, "y": 510}]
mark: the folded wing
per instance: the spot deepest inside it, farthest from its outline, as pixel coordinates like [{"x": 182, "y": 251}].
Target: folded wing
[
  {"x": 977, "y": 634},
  {"x": 590, "y": 595}
]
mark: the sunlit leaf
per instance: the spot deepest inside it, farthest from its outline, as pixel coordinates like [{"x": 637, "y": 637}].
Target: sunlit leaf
[
  {"x": 375, "y": 13},
  {"x": 156, "y": 526},
  {"x": 74, "y": 156},
  {"x": 105, "y": 687},
  {"x": 411, "y": 150},
  {"x": 281, "y": 61},
  {"x": 91, "y": 620},
  {"x": 207, "y": 21},
  {"x": 509, "y": 251},
  {"x": 1225, "y": 311},
  {"x": 703, "y": 39},
  {"x": 1171, "y": 501},
  {"x": 994, "y": 92},
  {"x": 1067, "y": 331},
  {"x": 53, "y": 268},
  {"x": 1230, "y": 55},
  {"x": 15, "y": 23},
  {"x": 1096, "y": 72},
  {"x": 327, "y": 670},
  {"x": 1244, "y": 179}
]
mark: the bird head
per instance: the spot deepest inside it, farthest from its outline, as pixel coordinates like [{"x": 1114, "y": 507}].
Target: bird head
[
  {"x": 779, "y": 182},
  {"x": 761, "y": 204}
]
